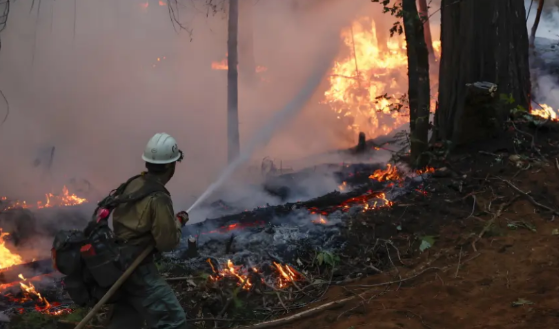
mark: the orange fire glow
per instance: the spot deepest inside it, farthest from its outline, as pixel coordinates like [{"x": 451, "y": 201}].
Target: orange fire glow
[
  {"x": 390, "y": 173},
  {"x": 222, "y": 66},
  {"x": 63, "y": 199},
  {"x": 232, "y": 271},
  {"x": 427, "y": 170},
  {"x": 320, "y": 220},
  {"x": 545, "y": 112},
  {"x": 30, "y": 294},
  {"x": 7, "y": 257},
  {"x": 287, "y": 276},
  {"x": 367, "y": 85}
]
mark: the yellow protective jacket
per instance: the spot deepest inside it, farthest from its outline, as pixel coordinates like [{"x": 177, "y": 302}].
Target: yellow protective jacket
[{"x": 150, "y": 220}]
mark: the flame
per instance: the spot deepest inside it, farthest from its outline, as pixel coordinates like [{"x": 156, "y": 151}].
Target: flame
[
  {"x": 222, "y": 66},
  {"x": 343, "y": 186},
  {"x": 51, "y": 200},
  {"x": 368, "y": 84},
  {"x": 232, "y": 271},
  {"x": 30, "y": 294},
  {"x": 29, "y": 290},
  {"x": 320, "y": 220},
  {"x": 287, "y": 275},
  {"x": 7, "y": 258},
  {"x": 390, "y": 173},
  {"x": 427, "y": 170},
  {"x": 545, "y": 112}
]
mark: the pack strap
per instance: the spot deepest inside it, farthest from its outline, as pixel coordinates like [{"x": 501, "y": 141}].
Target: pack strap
[{"x": 114, "y": 198}]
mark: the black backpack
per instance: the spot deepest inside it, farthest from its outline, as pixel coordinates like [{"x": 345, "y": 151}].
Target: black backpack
[{"x": 90, "y": 259}]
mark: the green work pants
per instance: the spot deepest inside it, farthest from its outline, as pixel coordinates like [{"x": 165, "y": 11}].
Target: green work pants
[{"x": 147, "y": 297}]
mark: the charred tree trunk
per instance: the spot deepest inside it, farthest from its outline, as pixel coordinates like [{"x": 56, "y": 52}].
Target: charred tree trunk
[
  {"x": 536, "y": 23},
  {"x": 424, "y": 14},
  {"x": 233, "y": 146},
  {"x": 418, "y": 75},
  {"x": 247, "y": 63},
  {"x": 481, "y": 41}
]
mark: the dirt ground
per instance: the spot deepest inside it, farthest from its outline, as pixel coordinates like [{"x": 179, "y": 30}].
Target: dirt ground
[{"x": 510, "y": 279}]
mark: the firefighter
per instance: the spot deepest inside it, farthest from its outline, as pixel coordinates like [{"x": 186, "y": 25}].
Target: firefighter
[{"x": 145, "y": 296}]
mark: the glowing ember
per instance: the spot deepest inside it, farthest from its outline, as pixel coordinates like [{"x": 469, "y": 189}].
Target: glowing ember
[
  {"x": 231, "y": 227},
  {"x": 545, "y": 112},
  {"x": 427, "y": 170},
  {"x": 368, "y": 84},
  {"x": 7, "y": 258},
  {"x": 369, "y": 201},
  {"x": 51, "y": 200},
  {"x": 390, "y": 173},
  {"x": 320, "y": 220}
]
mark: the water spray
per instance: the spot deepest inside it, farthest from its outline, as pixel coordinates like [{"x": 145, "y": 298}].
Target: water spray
[{"x": 263, "y": 136}]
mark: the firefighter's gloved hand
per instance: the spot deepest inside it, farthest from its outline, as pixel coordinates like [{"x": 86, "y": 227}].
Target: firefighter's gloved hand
[{"x": 182, "y": 217}]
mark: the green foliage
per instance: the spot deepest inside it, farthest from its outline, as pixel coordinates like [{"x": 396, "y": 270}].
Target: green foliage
[
  {"x": 521, "y": 224},
  {"x": 33, "y": 320},
  {"x": 426, "y": 242},
  {"x": 326, "y": 257},
  {"x": 76, "y": 316},
  {"x": 507, "y": 99},
  {"x": 521, "y": 301}
]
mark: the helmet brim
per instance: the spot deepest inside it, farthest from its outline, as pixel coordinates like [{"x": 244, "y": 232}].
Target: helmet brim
[{"x": 166, "y": 161}]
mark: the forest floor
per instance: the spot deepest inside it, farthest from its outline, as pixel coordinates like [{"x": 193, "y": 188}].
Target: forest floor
[
  {"x": 478, "y": 247},
  {"x": 495, "y": 267}
]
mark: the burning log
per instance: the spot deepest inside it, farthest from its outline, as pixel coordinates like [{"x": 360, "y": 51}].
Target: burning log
[
  {"x": 363, "y": 178},
  {"x": 13, "y": 274}
]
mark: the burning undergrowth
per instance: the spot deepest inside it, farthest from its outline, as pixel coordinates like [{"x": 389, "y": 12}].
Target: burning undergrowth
[{"x": 276, "y": 258}]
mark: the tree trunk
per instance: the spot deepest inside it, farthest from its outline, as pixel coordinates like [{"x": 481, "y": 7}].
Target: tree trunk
[
  {"x": 233, "y": 146},
  {"x": 424, "y": 14},
  {"x": 481, "y": 41},
  {"x": 418, "y": 75},
  {"x": 247, "y": 63},
  {"x": 536, "y": 23}
]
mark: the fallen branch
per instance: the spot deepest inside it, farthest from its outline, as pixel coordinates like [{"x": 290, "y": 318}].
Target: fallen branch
[
  {"x": 491, "y": 221},
  {"x": 534, "y": 202},
  {"x": 459, "y": 260},
  {"x": 323, "y": 307}
]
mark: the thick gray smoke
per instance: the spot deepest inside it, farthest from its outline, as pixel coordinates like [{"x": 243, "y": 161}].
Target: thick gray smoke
[{"x": 98, "y": 79}]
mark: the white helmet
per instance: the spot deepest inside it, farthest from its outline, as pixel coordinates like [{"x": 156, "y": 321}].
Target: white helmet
[{"x": 162, "y": 149}]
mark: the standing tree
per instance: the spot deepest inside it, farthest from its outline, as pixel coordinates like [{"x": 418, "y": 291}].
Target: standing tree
[
  {"x": 424, "y": 14},
  {"x": 233, "y": 144},
  {"x": 247, "y": 63},
  {"x": 482, "y": 41},
  {"x": 536, "y": 23},
  {"x": 418, "y": 75},
  {"x": 418, "y": 79}
]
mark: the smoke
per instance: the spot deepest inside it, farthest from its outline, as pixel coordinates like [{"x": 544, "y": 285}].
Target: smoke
[{"x": 97, "y": 79}]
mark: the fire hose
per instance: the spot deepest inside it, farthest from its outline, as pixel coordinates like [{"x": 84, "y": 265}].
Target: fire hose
[{"x": 115, "y": 287}]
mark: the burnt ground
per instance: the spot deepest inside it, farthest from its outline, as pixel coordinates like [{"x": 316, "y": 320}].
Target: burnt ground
[
  {"x": 508, "y": 281},
  {"x": 492, "y": 266},
  {"x": 474, "y": 247}
]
